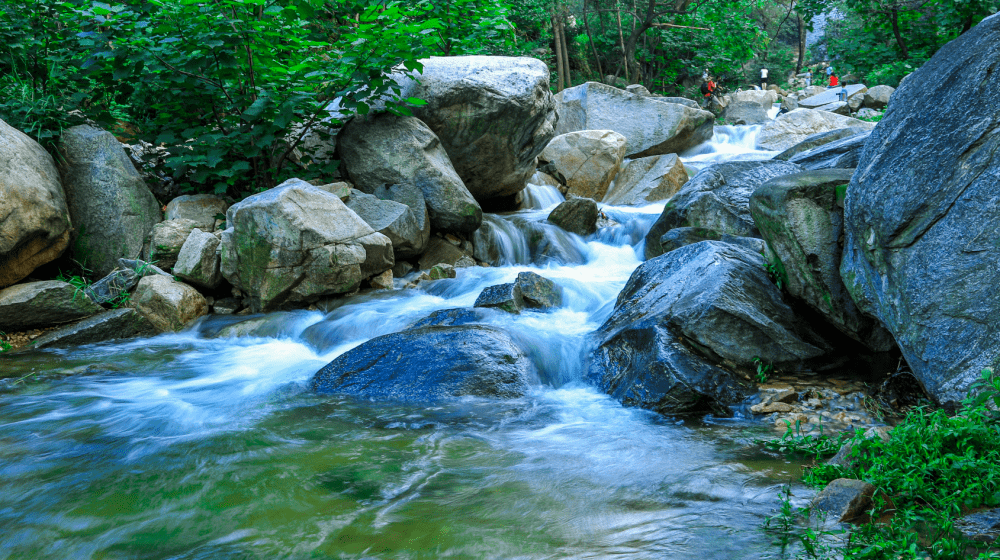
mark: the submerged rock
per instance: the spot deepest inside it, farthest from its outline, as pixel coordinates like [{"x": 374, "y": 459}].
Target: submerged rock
[
  {"x": 431, "y": 363},
  {"x": 576, "y": 215},
  {"x": 538, "y": 292},
  {"x": 505, "y": 297},
  {"x": 920, "y": 218}
]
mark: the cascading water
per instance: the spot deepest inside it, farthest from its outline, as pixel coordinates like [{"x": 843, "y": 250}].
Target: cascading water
[
  {"x": 729, "y": 143},
  {"x": 208, "y": 444}
]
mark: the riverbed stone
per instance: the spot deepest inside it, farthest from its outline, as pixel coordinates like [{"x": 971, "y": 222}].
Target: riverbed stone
[
  {"x": 166, "y": 241},
  {"x": 393, "y": 220},
  {"x": 538, "y": 292},
  {"x": 588, "y": 160},
  {"x": 168, "y": 304},
  {"x": 35, "y": 228},
  {"x": 115, "y": 324},
  {"x": 202, "y": 209},
  {"x": 920, "y": 218},
  {"x": 801, "y": 217},
  {"x": 42, "y": 304},
  {"x": 831, "y": 95},
  {"x": 646, "y": 180},
  {"x": 650, "y": 126},
  {"x": 198, "y": 260},
  {"x": 296, "y": 243},
  {"x": 114, "y": 288},
  {"x": 837, "y": 108},
  {"x": 111, "y": 207},
  {"x": 819, "y": 139},
  {"x": 440, "y": 251},
  {"x": 745, "y": 113},
  {"x": 844, "y": 500},
  {"x": 387, "y": 149},
  {"x": 795, "y": 126},
  {"x": 839, "y": 154},
  {"x": 878, "y": 97},
  {"x": 685, "y": 319},
  {"x": 493, "y": 114},
  {"x": 576, "y": 215},
  {"x": 429, "y": 364},
  {"x": 718, "y": 199},
  {"x": 505, "y": 297}
]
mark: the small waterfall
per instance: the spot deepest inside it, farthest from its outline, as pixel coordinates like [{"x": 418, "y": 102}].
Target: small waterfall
[
  {"x": 540, "y": 196},
  {"x": 499, "y": 241},
  {"x": 526, "y": 239},
  {"x": 729, "y": 143}
]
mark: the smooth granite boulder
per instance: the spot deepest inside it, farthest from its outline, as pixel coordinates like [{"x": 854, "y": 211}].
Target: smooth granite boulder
[
  {"x": 650, "y": 126},
  {"x": 921, "y": 219},
  {"x": 394, "y": 220},
  {"x": 386, "y": 149},
  {"x": 587, "y": 160},
  {"x": 168, "y": 304},
  {"x": 111, "y": 207},
  {"x": 817, "y": 140},
  {"x": 202, "y": 209},
  {"x": 878, "y": 97},
  {"x": 198, "y": 262},
  {"x": 839, "y": 154},
  {"x": 717, "y": 198},
  {"x": 34, "y": 217},
  {"x": 430, "y": 364},
  {"x": 646, "y": 180},
  {"x": 796, "y": 126}
]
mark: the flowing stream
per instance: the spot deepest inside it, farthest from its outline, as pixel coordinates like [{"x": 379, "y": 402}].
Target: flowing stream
[{"x": 206, "y": 445}]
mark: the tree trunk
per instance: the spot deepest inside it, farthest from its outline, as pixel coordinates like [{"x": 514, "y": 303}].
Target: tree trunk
[
  {"x": 590, "y": 39},
  {"x": 565, "y": 49},
  {"x": 621, "y": 38},
  {"x": 559, "y": 54},
  {"x": 802, "y": 44},
  {"x": 894, "y": 17}
]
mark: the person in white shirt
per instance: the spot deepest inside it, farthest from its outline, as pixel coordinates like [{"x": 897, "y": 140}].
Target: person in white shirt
[
  {"x": 809, "y": 77},
  {"x": 763, "y": 78}
]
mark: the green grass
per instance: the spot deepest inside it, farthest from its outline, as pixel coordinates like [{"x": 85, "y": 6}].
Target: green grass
[
  {"x": 4, "y": 345},
  {"x": 933, "y": 469}
]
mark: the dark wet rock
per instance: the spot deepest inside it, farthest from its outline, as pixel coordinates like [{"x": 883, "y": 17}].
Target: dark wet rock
[
  {"x": 686, "y": 319},
  {"x": 505, "y": 297},
  {"x": 576, "y": 215},
  {"x": 920, "y": 219},
  {"x": 538, "y": 292},
  {"x": 839, "y": 154},
  {"x": 43, "y": 304},
  {"x": 982, "y": 527},
  {"x": 111, "y": 325},
  {"x": 454, "y": 317},
  {"x": 801, "y": 217},
  {"x": 844, "y": 500},
  {"x": 819, "y": 139},
  {"x": 717, "y": 198},
  {"x": 441, "y": 251},
  {"x": 429, "y": 364},
  {"x": 112, "y": 288},
  {"x": 681, "y": 237}
]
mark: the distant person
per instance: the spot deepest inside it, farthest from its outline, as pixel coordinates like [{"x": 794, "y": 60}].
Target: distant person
[
  {"x": 829, "y": 71},
  {"x": 833, "y": 80},
  {"x": 763, "y": 78},
  {"x": 708, "y": 90},
  {"x": 809, "y": 77},
  {"x": 704, "y": 75},
  {"x": 842, "y": 94}
]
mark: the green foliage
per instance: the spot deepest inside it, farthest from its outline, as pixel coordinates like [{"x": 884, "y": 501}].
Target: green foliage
[
  {"x": 797, "y": 444},
  {"x": 776, "y": 272},
  {"x": 764, "y": 370},
  {"x": 81, "y": 283},
  {"x": 874, "y": 118},
  {"x": 4, "y": 345},
  {"x": 933, "y": 469}
]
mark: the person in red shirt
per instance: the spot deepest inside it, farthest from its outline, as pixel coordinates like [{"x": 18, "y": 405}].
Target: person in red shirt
[
  {"x": 708, "y": 89},
  {"x": 833, "y": 80}
]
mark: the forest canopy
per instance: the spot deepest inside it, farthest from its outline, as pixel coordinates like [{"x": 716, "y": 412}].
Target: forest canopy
[{"x": 232, "y": 88}]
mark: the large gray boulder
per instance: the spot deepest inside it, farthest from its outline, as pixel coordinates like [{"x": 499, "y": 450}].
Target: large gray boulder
[
  {"x": 394, "y": 220},
  {"x": 817, "y": 140},
  {"x": 587, "y": 160},
  {"x": 296, "y": 243},
  {"x": 168, "y": 304},
  {"x": 839, "y": 154},
  {"x": 745, "y": 112},
  {"x": 493, "y": 114},
  {"x": 802, "y": 219},
  {"x": 387, "y": 149},
  {"x": 198, "y": 261},
  {"x": 686, "y": 321},
  {"x": 646, "y": 180},
  {"x": 795, "y": 126},
  {"x": 202, "y": 209},
  {"x": 878, "y": 97},
  {"x": 922, "y": 230},
  {"x": 35, "y": 224},
  {"x": 429, "y": 364},
  {"x": 650, "y": 127},
  {"x": 832, "y": 95},
  {"x": 718, "y": 199},
  {"x": 111, "y": 207},
  {"x": 43, "y": 304}
]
